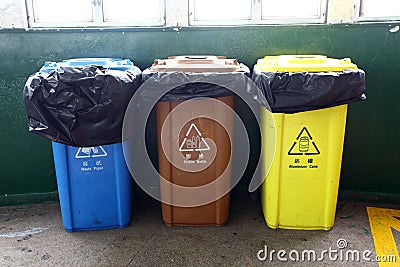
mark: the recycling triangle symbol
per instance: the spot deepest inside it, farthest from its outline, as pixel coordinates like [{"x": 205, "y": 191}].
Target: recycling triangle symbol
[
  {"x": 194, "y": 141},
  {"x": 304, "y": 144},
  {"x": 90, "y": 152}
]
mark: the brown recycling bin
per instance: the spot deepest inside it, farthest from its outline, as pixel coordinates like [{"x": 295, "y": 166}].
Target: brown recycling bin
[{"x": 200, "y": 144}]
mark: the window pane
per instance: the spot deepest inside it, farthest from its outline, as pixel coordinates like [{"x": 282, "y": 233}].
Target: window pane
[
  {"x": 63, "y": 10},
  {"x": 222, "y": 9},
  {"x": 131, "y": 10},
  {"x": 291, "y": 8},
  {"x": 381, "y": 8}
]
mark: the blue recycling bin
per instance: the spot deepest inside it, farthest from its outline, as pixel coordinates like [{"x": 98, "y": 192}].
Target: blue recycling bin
[
  {"x": 94, "y": 187},
  {"x": 94, "y": 183}
]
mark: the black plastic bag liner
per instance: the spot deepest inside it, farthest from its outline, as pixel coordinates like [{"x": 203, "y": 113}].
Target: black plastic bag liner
[
  {"x": 189, "y": 85},
  {"x": 290, "y": 92},
  {"x": 80, "y": 106}
]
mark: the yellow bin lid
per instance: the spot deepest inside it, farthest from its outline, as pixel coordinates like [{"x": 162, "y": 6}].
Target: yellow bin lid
[{"x": 301, "y": 63}]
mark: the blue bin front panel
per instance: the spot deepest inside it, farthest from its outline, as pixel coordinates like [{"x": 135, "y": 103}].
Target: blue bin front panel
[{"x": 94, "y": 186}]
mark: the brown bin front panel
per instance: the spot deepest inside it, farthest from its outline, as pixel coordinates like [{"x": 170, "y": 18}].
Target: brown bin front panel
[{"x": 193, "y": 153}]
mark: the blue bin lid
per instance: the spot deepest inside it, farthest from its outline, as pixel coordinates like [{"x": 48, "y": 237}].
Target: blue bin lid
[{"x": 110, "y": 63}]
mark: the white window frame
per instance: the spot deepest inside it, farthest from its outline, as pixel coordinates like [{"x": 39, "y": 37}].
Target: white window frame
[
  {"x": 256, "y": 17},
  {"x": 98, "y": 19},
  {"x": 359, "y": 18}
]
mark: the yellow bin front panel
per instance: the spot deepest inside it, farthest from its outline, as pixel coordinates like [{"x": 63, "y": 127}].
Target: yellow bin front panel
[{"x": 300, "y": 190}]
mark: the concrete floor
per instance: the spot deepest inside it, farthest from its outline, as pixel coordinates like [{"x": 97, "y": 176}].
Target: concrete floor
[{"x": 148, "y": 242}]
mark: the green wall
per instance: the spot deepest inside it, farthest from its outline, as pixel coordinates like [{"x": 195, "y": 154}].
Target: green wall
[{"x": 372, "y": 140}]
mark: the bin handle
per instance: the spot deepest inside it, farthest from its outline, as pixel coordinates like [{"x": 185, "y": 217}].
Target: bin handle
[
  {"x": 196, "y": 57},
  {"x": 304, "y": 59}
]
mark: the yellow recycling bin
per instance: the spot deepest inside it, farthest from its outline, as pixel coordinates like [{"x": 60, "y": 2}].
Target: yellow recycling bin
[{"x": 308, "y": 96}]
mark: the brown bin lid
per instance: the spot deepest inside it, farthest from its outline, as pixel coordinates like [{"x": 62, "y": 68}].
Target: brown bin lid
[{"x": 195, "y": 64}]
